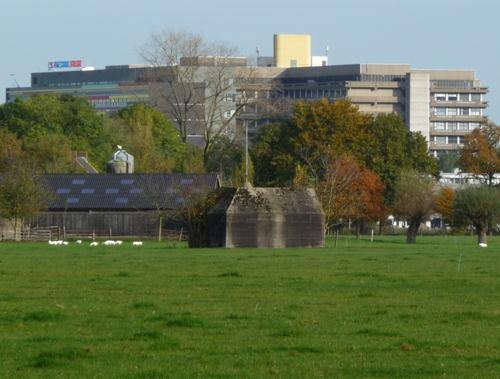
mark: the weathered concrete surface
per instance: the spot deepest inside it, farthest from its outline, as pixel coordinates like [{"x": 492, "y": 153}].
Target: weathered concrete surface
[{"x": 269, "y": 217}]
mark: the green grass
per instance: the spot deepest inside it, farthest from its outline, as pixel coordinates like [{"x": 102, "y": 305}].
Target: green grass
[{"x": 382, "y": 309}]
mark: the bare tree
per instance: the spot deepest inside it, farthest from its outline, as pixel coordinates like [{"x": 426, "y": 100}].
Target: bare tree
[{"x": 196, "y": 83}]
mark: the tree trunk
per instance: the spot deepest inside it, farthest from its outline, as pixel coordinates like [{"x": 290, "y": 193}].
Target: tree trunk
[
  {"x": 481, "y": 234},
  {"x": 381, "y": 226},
  {"x": 358, "y": 229},
  {"x": 411, "y": 233}
]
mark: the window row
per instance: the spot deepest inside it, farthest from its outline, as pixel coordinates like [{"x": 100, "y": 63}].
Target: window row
[
  {"x": 316, "y": 93},
  {"x": 442, "y": 111},
  {"x": 448, "y": 140},
  {"x": 441, "y": 125},
  {"x": 457, "y": 96}
]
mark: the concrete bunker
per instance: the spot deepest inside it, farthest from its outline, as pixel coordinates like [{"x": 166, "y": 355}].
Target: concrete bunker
[{"x": 268, "y": 218}]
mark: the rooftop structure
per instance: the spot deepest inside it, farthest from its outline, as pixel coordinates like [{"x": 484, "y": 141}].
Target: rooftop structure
[{"x": 124, "y": 192}]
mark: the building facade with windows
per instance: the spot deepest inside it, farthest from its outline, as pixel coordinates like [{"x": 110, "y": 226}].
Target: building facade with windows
[{"x": 443, "y": 105}]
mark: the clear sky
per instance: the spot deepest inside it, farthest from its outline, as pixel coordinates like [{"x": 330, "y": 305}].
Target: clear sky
[{"x": 424, "y": 33}]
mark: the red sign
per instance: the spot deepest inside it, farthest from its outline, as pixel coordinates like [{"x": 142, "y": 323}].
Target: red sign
[{"x": 75, "y": 63}]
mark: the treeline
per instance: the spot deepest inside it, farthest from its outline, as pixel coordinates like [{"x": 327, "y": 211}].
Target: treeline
[
  {"x": 48, "y": 130},
  {"x": 364, "y": 168}
]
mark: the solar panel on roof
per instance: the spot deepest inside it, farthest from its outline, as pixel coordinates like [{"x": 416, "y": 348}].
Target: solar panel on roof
[
  {"x": 78, "y": 181},
  {"x": 121, "y": 200},
  {"x": 186, "y": 181},
  {"x": 136, "y": 190},
  {"x": 180, "y": 200},
  {"x": 110, "y": 191},
  {"x": 63, "y": 191},
  {"x": 73, "y": 200},
  {"x": 87, "y": 191},
  {"x": 127, "y": 181}
]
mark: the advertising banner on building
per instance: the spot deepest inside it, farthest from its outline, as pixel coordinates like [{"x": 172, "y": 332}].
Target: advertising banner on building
[{"x": 65, "y": 64}]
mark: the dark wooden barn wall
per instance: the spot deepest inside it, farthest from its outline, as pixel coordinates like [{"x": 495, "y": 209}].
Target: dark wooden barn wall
[{"x": 120, "y": 223}]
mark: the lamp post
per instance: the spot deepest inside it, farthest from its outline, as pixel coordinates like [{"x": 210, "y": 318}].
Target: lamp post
[{"x": 246, "y": 153}]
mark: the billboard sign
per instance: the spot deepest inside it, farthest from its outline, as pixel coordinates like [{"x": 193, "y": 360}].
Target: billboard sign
[{"x": 65, "y": 64}]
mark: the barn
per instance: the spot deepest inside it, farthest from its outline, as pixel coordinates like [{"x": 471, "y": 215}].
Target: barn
[{"x": 119, "y": 204}]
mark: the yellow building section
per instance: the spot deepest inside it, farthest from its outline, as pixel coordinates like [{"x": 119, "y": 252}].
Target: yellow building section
[{"x": 292, "y": 50}]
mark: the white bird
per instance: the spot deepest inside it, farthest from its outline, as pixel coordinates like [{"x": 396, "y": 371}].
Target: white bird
[
  {"x": 79, "y": 242},
  {"x": 94, "y": 243},
  {"x": 109, "y": 243},
  {"x": 65, "y": 243},
  {"x": 118, "y": 242},
  {"x": 137, "y": 243},
  {"x": 51, "y": 242},
  {"x": 482, "y": 244}
]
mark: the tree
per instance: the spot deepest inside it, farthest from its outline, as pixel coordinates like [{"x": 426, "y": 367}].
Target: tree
[
  {"x": 150, "y": 137},
  {"x": 273, "y": 158},
  {"x": 202, "y": 92},
  {"x": 443, "y": 203},
  {"x": 448, "y": 161},
  {"x": 324, "y": 130},
  {"x": 350, "y": 191},
  {"x": 481, "y": 153},
  {"x": 414, "y": 200},
  {"x": 226, "y": 158},
  {"x": 319, "y": 131},
  {"x": 51, "y": 153},
  {"x": 44, "y": 120},
  {"x": 22, "y": 195},
  {"x": 479, "y": 206},
  {"x": 11, "y": 150}
]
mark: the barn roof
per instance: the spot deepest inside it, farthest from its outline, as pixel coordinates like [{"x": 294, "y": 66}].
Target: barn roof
[{"x": 82, "y": 192}]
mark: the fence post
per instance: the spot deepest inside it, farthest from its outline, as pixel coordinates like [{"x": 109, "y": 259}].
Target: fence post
[
  {"x": 159, "y": 230},
  {"x": 180, "y": 235}
]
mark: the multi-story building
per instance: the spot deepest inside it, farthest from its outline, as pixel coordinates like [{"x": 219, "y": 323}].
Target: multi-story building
[{"x": 444, "y": 105}]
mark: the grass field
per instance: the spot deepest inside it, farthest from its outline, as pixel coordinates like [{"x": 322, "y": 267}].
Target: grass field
[{"x": 381, "y": 309}]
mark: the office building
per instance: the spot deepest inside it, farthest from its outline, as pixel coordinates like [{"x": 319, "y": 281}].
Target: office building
[{"x": 443, "y": 105}]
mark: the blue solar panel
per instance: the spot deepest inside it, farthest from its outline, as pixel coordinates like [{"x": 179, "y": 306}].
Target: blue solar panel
[
  {"x": 73, "y": 200},
  {"x": 121, "y": 200},
  {"x": 88, "y": 191},
  {"x": 78, "y": 181},
  {"x": 180, "y": 200},
  {"x": 136, "y": 190},
  {"x": 186, "y": 181},
  {"x": 110, "y": 191},
  {"x": 63, "y": 191},
  {"x": 127, "y": 181}
]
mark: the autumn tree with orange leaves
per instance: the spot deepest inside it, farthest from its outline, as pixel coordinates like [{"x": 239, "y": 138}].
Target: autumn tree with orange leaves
[
  {"x": 443, "y": 203},
  {"x": 350, "y": 191},
  {"x": 481, "y": 153}
]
